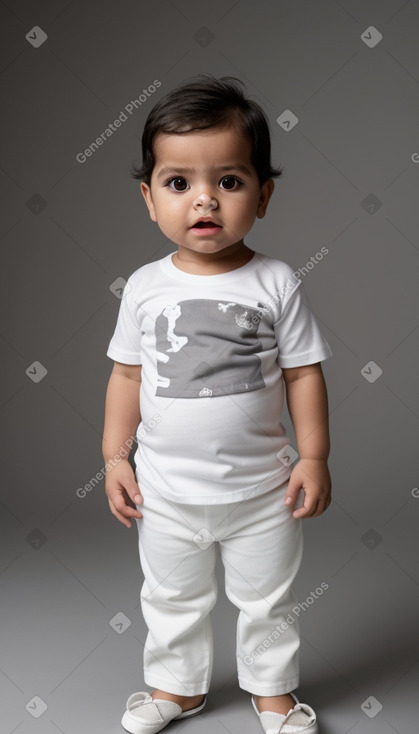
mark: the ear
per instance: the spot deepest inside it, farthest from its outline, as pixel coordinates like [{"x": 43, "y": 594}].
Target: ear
[
  {"x": 266, "y": 192},
  {"x": 146, "y": 192}
]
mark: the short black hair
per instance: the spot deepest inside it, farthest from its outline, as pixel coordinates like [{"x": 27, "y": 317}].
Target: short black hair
[{"x": 208, "y": 102}]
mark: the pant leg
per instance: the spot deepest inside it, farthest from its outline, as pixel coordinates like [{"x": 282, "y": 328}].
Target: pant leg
[
  {"x": 178, "y": 592},
  {"x": 261, "y": 551}
]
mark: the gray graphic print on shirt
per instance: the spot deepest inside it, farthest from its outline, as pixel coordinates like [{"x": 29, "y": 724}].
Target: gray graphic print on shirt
[{"x": 207, "y": 348}]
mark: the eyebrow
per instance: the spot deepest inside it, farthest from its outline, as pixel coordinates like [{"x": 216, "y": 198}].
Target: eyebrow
[{"x": 236, "y": 166}]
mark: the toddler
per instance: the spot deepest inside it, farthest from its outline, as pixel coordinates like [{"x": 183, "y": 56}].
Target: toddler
[{"x": 208, "y": 340}]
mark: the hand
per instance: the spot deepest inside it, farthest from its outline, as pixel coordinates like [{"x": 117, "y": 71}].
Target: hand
[
  {"x": 312, "y": 475},
  {"x": 123, "y": 492}
]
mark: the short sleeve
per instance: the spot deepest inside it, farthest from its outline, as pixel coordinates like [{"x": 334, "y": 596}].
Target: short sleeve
[
  {"x": 125, "y": 345},
  {"x": 298, "y": 335}
]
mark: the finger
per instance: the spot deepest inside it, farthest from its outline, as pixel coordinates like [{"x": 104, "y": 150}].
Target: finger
[
  {"x": 122, "y": 501},
  {"x": 320, "y": 509},
  {"x": 323, "y": 505},
  {"x": 124, "y": 510},
  {"x": 129, "y": 508},
  {"x": 309, "y": 509},
  {"x": 128, "y": 486},
  {"x": 294, "y": 486},
  {"x": 129, "y": 511},
  {"x": 133, "y": 491},
  {"x": 119, "y": 515}
]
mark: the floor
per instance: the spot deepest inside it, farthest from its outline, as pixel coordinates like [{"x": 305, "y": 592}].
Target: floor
[{"x": 73, "y": 633}]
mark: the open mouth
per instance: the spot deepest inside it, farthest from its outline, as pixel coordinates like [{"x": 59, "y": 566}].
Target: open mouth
[{"x": 205, "y": 225}]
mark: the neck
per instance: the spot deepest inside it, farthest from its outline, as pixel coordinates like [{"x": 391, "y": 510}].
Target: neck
[{"x": 212, "y": 263}]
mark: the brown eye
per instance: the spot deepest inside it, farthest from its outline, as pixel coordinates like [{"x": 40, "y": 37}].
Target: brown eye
[
  {"x": 179, "y": 184},
  {"x": 229, "y": 183}
]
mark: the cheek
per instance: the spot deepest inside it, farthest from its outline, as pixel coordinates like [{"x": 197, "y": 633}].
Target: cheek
[
  {"x": 245, "y": 209},
  {"x": 171, "y": 216},
  {"x": 173, "y": 204},
  {"x": 168, "y": 207}
]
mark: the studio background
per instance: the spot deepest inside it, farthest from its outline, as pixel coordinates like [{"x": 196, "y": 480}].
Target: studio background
[{"x": 339, "y": 83}]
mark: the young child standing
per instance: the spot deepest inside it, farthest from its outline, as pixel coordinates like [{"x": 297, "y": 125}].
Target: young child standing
[{"x": 207, "y": 341}]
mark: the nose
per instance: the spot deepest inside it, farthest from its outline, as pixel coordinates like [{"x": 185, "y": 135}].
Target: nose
[{"x": 204, "y": 203}]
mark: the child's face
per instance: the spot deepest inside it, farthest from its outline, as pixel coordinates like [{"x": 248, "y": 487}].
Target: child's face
[{"x": 177, "y": 198}]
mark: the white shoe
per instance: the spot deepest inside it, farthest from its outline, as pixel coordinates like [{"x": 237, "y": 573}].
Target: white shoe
[
  {"x": 145, "y": 715},
  {"x": 301, "y": 718}
]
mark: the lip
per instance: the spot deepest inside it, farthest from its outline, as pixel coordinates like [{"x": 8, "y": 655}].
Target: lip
[
  {"x": 205, "y": 219},
  {"x": 205, "y": 231}
]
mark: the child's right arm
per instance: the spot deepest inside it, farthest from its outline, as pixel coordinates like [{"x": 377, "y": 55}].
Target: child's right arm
[{"x": 122, "y": 416}]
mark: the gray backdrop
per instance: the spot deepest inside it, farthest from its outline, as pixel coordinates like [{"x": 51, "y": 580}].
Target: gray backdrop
[{"x": 339, "y": 82}]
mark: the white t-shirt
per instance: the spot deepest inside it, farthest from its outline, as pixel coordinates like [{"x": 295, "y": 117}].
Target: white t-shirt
[{"x": 212, "y": 390}]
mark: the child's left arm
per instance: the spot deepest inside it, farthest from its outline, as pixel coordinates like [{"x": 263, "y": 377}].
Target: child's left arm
[{"x": 308, "y": 409}]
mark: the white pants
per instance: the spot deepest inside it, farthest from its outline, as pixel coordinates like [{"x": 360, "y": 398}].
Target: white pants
[{"x": 261, "y": 547}]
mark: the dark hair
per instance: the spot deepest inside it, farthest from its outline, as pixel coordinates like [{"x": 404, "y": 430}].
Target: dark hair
[{"x": 203, "y": 103}]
